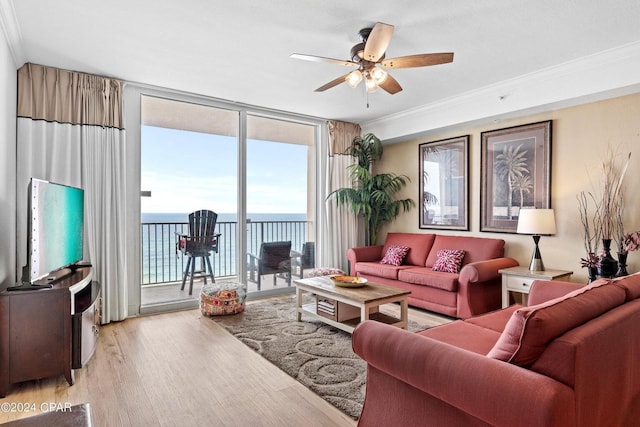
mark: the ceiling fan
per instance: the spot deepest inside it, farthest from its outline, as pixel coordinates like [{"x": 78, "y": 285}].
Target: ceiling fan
[{"x": 369, "y": 58}]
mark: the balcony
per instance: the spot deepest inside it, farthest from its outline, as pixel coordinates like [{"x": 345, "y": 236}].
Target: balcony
[{"x": 163, "y": 265}]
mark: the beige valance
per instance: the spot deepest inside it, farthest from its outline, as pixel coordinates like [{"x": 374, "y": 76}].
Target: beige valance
[
  {"x": 55, "y": 95},
  {"x": 341, "y": 135}
]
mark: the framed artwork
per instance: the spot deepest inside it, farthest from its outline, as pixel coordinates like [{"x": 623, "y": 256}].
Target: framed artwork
[
  {"x": 444, "y": 184},
  {"x": 515, "y": 174}
]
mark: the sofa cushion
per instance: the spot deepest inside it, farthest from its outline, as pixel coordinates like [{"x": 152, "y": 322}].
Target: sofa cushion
[
  {"x": 464, "y": 335},
  {"x": 419, "y": 243},
  {"x": 530, "y": 329},
  {"x": 449, "y": 260},
  {"x": 380, "y": 270},
  {"x": 428, "y": 277},
  {"x": 476, "y": 248},
  {"x": 494, "y": 320},
  {"x": 630, "y": 284},
  {"x": 395, "y": 255}
]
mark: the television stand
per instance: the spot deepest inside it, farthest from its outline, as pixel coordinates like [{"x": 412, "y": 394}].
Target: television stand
[
  {"x": 48, "y": 332},
  {"x": 78, "y": 265},
  {"x": 29, "y": 287}
]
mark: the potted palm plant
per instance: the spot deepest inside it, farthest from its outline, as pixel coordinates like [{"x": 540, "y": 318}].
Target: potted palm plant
[{"x": 372, "y": 195}]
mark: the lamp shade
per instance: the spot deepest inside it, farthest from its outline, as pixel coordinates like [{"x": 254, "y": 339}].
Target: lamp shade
[
  {"x": 379, "y": 75},
  {"x": 536, "y": 221},
  {"x": 354, "y": 77},
  {"x": 370, "y": 83}
]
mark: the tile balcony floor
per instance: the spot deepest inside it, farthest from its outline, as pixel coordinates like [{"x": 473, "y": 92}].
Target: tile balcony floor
[{"x": 170, "y": 292}]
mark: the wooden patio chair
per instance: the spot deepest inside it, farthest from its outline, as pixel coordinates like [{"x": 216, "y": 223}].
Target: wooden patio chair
[{"x": 199, "y": 243}]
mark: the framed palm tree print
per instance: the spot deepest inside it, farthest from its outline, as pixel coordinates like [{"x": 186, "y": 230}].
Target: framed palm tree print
[
  {"x": 515, "y": 174},
  {"x": 444, "y": 184}
]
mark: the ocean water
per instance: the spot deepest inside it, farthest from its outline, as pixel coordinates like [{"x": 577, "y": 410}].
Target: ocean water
[
  {"x": 162, "y": 262},
  {"x": 223, "y": 217}
]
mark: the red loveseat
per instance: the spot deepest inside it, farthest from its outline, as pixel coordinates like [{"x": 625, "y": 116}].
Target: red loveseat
[
  {"x": 569, "y": 359},
  {"x": 474, "y": 290}
]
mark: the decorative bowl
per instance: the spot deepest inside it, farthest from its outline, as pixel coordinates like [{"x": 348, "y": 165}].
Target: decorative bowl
[{"x": 349, "y": 281}]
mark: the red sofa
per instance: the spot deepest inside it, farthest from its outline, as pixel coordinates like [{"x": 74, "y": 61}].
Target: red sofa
[
  {"x": 476, "y": 289},
  {"x": 569, "y": 359}
]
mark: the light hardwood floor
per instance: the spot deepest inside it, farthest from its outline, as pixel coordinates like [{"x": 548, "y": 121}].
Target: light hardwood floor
[{"x": 182, "y": 369}]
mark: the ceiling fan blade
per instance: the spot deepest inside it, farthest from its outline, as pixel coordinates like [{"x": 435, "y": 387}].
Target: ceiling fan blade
[
  {"x": 420, "y": 60},
  {"x": 391, "y": 85},
  {"x": 332, "y": 83},
  {"x": 323, "y": 59},
  {"x": 378, "y": 41}
]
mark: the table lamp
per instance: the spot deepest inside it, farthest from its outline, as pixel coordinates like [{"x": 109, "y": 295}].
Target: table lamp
[{"x": 536, "y": 222}]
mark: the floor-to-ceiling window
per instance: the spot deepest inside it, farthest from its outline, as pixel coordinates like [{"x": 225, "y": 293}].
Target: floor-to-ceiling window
[
  {"x": 280, "y": 202},
  {"x": 188, "y": 163},
  {"x": 255, "y": 169}
]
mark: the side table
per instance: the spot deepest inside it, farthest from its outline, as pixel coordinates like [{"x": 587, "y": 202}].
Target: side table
[{"x": 516, "y": 282}]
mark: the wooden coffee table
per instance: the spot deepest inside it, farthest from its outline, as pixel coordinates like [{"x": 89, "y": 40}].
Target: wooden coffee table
[{"x": 350, "y": 305}]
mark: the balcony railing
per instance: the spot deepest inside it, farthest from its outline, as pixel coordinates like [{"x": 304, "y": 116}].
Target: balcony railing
[{"x": 163, "y": 263}]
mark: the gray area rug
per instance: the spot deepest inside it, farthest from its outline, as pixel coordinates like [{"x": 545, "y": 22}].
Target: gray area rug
[{"x": 317, "y": 355}]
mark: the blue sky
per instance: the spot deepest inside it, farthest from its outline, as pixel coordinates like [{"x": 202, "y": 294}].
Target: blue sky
[{"x": 187, "y": 171}]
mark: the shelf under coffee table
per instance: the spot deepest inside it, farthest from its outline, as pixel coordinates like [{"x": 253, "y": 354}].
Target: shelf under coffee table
[{"x": 365, "y": 300}]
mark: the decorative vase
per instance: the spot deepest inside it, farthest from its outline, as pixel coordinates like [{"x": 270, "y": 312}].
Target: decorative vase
[
  {"x": 608, "y": 264},
  {"x": 622, "y": 265},
  {"x": 593, "y": 273}
]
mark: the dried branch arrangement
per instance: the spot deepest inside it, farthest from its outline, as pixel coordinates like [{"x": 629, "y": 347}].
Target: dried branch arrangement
[
  {"x": 589, "y": 229},
  {"x": 606, "y": 221}
]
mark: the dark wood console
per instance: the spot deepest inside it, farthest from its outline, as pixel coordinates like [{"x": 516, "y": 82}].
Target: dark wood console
[
  {"x": 85, "y": 323},
  {"x": 48, "y": 332}
]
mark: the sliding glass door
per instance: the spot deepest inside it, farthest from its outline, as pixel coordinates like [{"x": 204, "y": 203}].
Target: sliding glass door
[
  {"x": 189, "y": 163},
  {"x": 256, "y": 171},
  {"x": 279, "y": 202}
]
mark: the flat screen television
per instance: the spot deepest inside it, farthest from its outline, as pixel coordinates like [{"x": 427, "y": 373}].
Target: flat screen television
[{"x": 55, "y": 228}]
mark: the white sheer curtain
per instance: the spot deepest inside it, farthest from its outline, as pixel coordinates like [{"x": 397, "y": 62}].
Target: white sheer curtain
[
  {"x": 69, "y": 132},
  {"x": 107, "y": 239},
  {"x": 342, "y": 230}
]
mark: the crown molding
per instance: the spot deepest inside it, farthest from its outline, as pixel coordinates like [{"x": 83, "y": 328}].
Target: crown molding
[
  {"x": 11, "y": 31},
  {"x": 607, "y": 74}
]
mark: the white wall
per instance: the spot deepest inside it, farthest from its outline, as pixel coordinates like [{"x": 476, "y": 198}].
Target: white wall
[
  {"x": 609, "y": 74},
  {"x": 8, "y": 88},
  {"x": 580, "y": 137}
]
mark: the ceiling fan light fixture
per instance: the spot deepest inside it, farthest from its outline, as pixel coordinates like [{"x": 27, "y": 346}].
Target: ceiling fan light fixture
[
  {"x": 378, "y": 75},
  {"x": 371, "y": 84},
  {"x": 354, "y": 78}
]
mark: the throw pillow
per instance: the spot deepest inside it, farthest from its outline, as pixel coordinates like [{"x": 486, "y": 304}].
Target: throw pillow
[
  {"x": 630, "y": 284},
  {"x": 324, "y": 271},
  {"x": 449, "y": 260},
  {"x": 395, "y": 255},
  {"x": 530, "y": 329}
]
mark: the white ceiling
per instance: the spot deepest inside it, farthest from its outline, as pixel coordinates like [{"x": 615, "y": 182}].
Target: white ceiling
[{"x": 239, "y": 50}]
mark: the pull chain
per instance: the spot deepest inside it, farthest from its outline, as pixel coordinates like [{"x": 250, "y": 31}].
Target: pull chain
[{"x": 366, "y": 94}]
